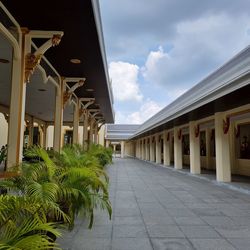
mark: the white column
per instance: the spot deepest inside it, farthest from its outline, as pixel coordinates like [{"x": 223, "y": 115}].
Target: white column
[
  {"x": 85, "y": 128},
  {"x": 17, "y": 107},
  {"x": 58, "y": 123},
  {"x": 31, "y": 131},
  {"x": 223, "y": 159},
  {"x": 146, "y": 148},
  {"x": 96, "y": 133},
  {"x": 45, "y": 128},
  {"x": 91, "y": 130},
  {"x": 140, "y": 149},
  {"x": 158, "y": 149},
  {"x": 166, "y": 148},
  {"x": 122, "y": 149},
  {"x": 195, "y": 159},
  {"x": 151, "y": 149},
  {"x": 143, "y": 150},
  {"x": 76, "y": 124},
  {"x": 177, "y": 150}
]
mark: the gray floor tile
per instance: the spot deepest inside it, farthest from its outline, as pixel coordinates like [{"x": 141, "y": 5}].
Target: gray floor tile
[
  {"x": 165, "y": 231},
  {"x": 128, "y": 220},
  {"x": 92, "y": 244},
  {"x": 211, "y": 244},
  {"x": 199, "y": 232},
  {"x": 233, "y": 231},
  {"x": 131, "y": 244},
  {"x": 172, "y": 244},
  {"x": 189, "y": 221},
  {"x": 128, "y": 231},
  {"x": 240, "y": 244},
  {"x": 178, "y": 211}
]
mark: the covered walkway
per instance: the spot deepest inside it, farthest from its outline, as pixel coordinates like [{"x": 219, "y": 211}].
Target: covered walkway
[{"x": 159, "y": 208}]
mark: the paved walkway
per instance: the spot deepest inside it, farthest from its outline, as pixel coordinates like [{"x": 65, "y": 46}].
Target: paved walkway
[{"x": 158, "y": 208}]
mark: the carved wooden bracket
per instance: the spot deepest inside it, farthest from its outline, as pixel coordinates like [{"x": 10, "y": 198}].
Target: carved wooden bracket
[
  {"x": 31, "y": 62},
  {"x": 66, "y": 96},
  {"x": 81, "y": 111},
  {"x": 197, "y": 131},
  {"x": 56, "y": 39},
  {"x": 226, "y": 125}
]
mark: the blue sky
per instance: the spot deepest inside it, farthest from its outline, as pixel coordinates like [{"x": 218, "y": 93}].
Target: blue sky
[{"x": 156, "y": 50}]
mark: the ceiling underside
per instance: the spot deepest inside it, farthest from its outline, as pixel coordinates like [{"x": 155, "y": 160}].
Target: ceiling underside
[
  {"x": 76, "y": 19},
  {"x": 40, "y": 96}
]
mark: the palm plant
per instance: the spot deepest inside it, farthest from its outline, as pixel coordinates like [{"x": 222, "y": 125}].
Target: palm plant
[
  {"x": 54, "y": 189},
  {"x": 23, "y": 224}
]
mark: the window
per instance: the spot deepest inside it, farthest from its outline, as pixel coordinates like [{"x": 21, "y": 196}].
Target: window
[
  {"x": 244, "y": 141},
  {"x": 185, "y": 145},
  {"x": 212, "y": 143},
  {"x": 203, "y": 149}
]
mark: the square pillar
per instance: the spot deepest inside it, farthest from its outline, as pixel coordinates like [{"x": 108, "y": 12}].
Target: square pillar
[
  {"x": 85, "y": 128},
  {"x": 195, "y": 159},
  {"x": 146, "y": 149},
  {"x": 222, "y": 147},
  {"x": 158, "y": 148},
  {"x": 166, "y": 148},
  {"x": 122, "y": 149},
  {"x": 17, "y": 106},
  {"x": 151, "y": 147},
  {"x": 91, "y": 131},
  {"x": 143, "y": 150},
  {"x": 76, "y": 124},
  {"x": 58, "y": 120},
  {"x": 45, "y": 129},
  {"x": 177, "y": 148}
]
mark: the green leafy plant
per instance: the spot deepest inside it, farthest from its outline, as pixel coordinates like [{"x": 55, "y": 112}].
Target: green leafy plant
[{"x": 51, "y": 190}]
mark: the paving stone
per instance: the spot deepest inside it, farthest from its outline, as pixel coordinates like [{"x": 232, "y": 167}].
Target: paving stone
[
  {"x": 165, "y": 231},
  {"x": 176, "y": 211},
  {"x": 240, "y": 244},
  {"x": 211, "y": 244},
  {"x": 189, "y": 221},
  {"x": 131, "y": 244},
  {"x": 199, "y": 232},
  {"x": 95, "y": 232},
  {"x": 159, "y": 219},
  {"x": 128, "y": 220},
  {"x": 128, "y": 231},
  {"x": 92, "y": 244},
  {"x": 233, "y": 231},
  {"x": 172, "y": 244},
  {"x": 218, "y": 220},
  {"x": 182, "y": 212}
]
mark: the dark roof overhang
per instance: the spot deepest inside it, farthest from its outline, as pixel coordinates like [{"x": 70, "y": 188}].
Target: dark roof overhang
[{"x": 80, "y": 22}]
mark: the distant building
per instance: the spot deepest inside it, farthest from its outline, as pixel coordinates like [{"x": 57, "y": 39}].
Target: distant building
[{"x": 117, "y": 134}]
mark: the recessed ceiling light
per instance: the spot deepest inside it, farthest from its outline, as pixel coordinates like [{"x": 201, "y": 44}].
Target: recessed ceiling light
[
  {"x": 42, "y": 90},
  {"x": 90, "y": 90},
  {"x": 75, "y": 61},
  {"x": 2, "y": 60}
]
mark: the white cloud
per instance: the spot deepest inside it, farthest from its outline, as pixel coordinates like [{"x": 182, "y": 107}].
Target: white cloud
[
  {"x": 125, "y": 81},
  {"x": 199, "y": 46},
  {"x": 147, "y": 109}
]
